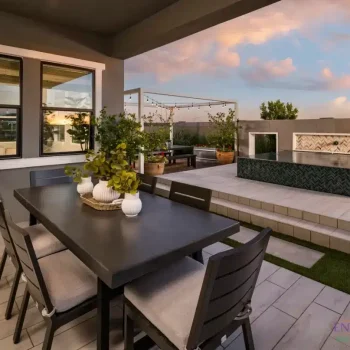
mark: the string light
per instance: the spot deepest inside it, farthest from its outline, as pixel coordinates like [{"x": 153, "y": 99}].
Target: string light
[
  {"x": 209, "y": 105},
  {"x": 147, "y": 98},
  {"x": 130, "y": 97}
]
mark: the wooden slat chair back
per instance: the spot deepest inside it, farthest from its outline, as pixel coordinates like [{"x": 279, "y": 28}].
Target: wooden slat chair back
[
  {"x": 5, "y": 235},
  {"x": 149, "y": 183},
  {"x": 30, "y": 266},
  {"x": 49, "y": 177},
  {"x": 227, "y": 291},
  {"x": 194, "y": 196}
]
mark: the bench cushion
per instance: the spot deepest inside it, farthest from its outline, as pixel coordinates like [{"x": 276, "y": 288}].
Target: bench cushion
[
  {"x": 44, "y": 242},
  {"x": 168, "y": 298},
  {"x": 68, "y": 281}
]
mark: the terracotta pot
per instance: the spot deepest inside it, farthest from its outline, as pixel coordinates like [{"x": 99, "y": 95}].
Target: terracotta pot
[
  {"x": 225, "y": 157},
  {"x": 154, "y": 169}
]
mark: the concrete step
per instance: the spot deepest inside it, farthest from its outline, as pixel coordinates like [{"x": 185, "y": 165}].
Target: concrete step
[
  {"x": 317, "y": 233},
  {"x": 295, "y": 212}
]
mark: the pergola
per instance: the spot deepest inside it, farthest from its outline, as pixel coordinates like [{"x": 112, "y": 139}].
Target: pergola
[{"x": 156, "y": 99}]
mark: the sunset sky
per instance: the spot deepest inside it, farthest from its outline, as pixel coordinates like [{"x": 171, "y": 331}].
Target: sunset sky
[{"x": 296, "y": 50}]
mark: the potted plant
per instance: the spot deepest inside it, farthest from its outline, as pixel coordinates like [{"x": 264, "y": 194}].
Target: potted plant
[
  {"x": 155, "y": 137},
  {"x": 126, "y": 182},
  {"x": 105, "y": 168},
  {"x": 223, "y": 135},
  {"x": 82, "y": 177},
  {"x": 112, "y": 130}
]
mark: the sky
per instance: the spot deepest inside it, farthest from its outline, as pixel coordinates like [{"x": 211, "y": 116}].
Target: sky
[{"x": 297, "y": 51}]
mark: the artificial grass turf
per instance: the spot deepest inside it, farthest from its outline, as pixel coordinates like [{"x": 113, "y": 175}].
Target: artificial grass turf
[{"x": 333, "y": 269}]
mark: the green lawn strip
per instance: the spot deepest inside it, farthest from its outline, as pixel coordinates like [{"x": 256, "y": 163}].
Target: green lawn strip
[{"x": 333, "y": 269}]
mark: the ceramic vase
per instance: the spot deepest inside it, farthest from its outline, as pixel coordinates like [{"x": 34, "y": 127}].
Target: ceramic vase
[
  {"x": 104, "y": 194},
  {"x": 131, "y": 205},
  {"x": 85, "y": 186}
]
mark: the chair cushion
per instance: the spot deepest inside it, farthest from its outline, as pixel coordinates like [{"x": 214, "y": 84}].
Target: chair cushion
[
  {"x": 168, "y": 298},
  {"x": 68, "y": 281},
  {"x": 44, "y": 242}
]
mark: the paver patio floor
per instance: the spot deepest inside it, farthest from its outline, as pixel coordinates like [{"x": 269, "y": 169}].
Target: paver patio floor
[{"x": 289, "y": 312}]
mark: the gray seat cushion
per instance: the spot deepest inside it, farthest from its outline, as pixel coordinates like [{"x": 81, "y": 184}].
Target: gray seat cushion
[
  {"x": 68, "y": 280},
  {"x": 168, "y": 298},
  {"x": 44, "y": 242}
]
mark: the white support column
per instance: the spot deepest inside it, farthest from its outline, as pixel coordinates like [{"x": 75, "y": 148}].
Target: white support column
[{"x": 140, "y": 115}]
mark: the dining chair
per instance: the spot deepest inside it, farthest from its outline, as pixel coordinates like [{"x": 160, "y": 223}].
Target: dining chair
[
  {"x": 46, "y": 178},
  {"x": 195, "y": 196},
  {"x": 148, "y": 184},
  {"x": 44, "y": 244},
  {"x": 60, "y": 284},
  {"x": 49, "y": 177},
  {"x": 188, "y": 306}
]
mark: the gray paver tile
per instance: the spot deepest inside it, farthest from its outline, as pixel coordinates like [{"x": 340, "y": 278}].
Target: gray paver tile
[
  {"x": 298, "y": 297},
  {"x": 333, "y": 299},
  {"x": 267, "y": 330},
  {"x": 311, "y": 330},
  {"x": 284, "y": 278}
]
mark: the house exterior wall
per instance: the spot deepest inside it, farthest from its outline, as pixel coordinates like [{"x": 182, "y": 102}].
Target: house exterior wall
[{"x": 44, "y": 44}]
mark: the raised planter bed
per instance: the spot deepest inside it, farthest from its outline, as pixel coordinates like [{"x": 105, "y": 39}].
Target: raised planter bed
[{"x": 207, "y": 154}]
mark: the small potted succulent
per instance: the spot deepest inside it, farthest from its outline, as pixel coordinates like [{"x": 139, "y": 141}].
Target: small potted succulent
[
  {"x": 82, "y": 177},
  {"x": 126, "y": 182},
  {"x": 223, "y": 135}
]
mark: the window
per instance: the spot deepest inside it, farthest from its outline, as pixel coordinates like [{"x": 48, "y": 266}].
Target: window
[
  {"x": 67, "y": 106},
  {"x": 10, "y": 106}
]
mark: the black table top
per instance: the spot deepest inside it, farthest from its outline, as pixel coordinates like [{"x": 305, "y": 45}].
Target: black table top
[
  {"x": 120, "y": 249},
  {"x": 306, "y": 158}
]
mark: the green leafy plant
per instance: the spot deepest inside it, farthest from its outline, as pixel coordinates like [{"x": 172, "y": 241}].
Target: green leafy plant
[
  {"x": 277, "y": 110},
  {"x": 115, "y": 169},
  {"x": 113, "y": 130},
  {"x": 125, "y": 181},
  {"x": 76, "y": 173},
  {"x": 104, "y": 167},
  {"x": 224, "y": 130},
  {"x": 154, "y": 138},
  {"x": 80, "y": 130}
]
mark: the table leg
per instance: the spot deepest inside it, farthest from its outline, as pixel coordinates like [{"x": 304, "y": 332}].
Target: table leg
[
  {"x": 32, "y": 220},
  {"x": 103, "y": 298},
  {"x": 198, "y": 256}
]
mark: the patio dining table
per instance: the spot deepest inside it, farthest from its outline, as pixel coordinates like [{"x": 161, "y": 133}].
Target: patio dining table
[{"x": 120, "y": 249}]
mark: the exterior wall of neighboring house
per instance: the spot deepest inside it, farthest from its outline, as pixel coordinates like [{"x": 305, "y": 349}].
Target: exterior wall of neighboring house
[
  {"x": 286, "y": 128},
  {"x": 34, "y": 43}
]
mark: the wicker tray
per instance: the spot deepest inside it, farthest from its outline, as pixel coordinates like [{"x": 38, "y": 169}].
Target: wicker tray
[{"x": 93, "y": 203}]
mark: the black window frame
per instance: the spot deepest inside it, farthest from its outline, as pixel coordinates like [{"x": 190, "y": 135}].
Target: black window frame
[
  {"x": 68, "y": 109},
  {"x": 18, "y": 108}
]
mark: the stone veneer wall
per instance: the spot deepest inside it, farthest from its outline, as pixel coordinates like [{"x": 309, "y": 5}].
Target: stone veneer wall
[{"x": 336, "y": 143}]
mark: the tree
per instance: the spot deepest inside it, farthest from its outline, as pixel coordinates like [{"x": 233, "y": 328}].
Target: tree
[
  {"x": 278, "y": 110},
  {"x": 80, "y": 130},
  {"x": 224, "y": 130}
]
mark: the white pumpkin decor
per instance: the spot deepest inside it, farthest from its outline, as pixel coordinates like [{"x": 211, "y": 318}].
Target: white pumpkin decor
[
  {"x": 131, "y": 205},
  {"x": 85, "y": 186},
  {"x": 104, "y": 194}
]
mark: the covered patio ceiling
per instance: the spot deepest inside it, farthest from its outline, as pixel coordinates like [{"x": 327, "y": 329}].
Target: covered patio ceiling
[{"x": 127, "y": 28}]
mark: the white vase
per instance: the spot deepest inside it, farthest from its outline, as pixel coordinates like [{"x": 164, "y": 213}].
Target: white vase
[
  {"x": 131, "y": 205},
  {"x": 86, "y": 185},
  {"x": 104, "y": 194}
]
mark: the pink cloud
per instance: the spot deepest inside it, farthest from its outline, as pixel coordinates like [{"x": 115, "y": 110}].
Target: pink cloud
[
  {"x": 214, "y": 49},
  {"x": 333, "y": 82},
  {"x": 259, "y": 71},
  {"x": 327, "y": 73}
]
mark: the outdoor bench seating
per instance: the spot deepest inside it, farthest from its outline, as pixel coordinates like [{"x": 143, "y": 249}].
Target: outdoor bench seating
[{"x": 191, "y": 159}]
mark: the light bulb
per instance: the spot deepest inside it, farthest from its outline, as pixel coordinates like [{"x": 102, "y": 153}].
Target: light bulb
[{"x": 130, "y": 97}]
